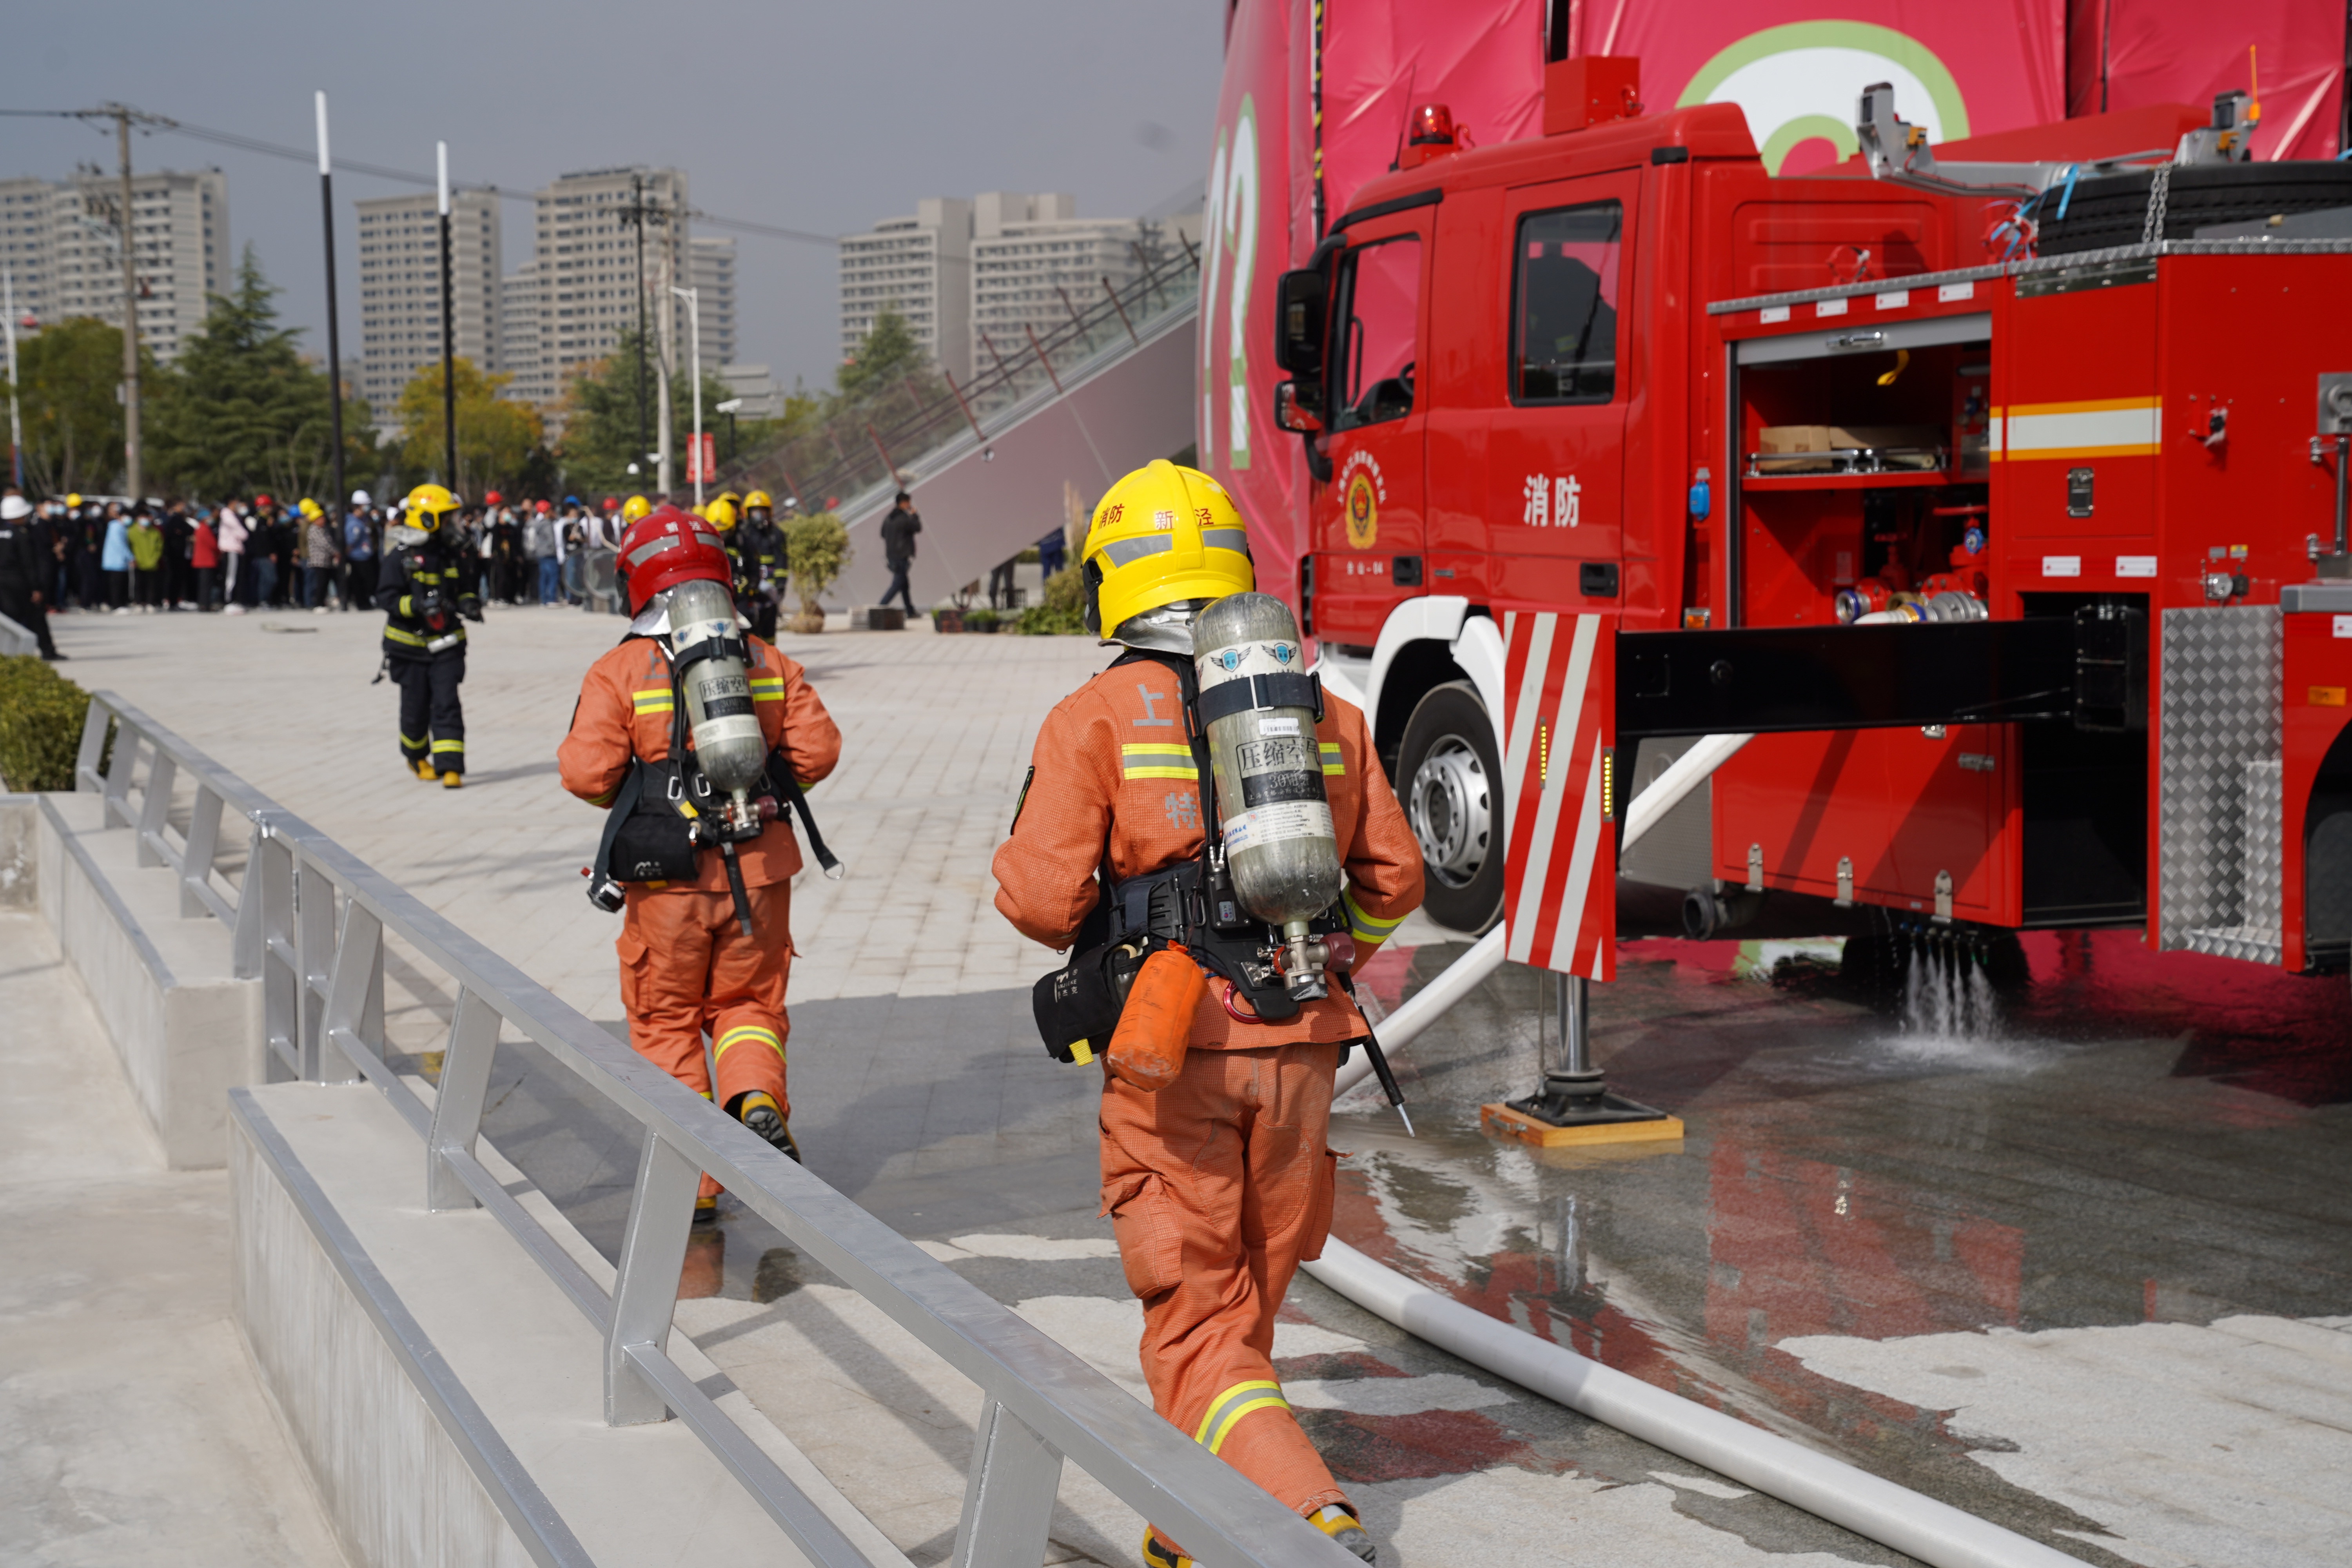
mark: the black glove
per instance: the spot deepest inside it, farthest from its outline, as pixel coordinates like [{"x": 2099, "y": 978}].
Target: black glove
[
  {"x": 430, "y": 607},
  {"x": 471, "y": 609}
]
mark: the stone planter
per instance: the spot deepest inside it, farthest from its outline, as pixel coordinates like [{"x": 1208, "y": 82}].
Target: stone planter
[
  {"x": 807, "y": 625},
  {"x": 946, "y": 620}
]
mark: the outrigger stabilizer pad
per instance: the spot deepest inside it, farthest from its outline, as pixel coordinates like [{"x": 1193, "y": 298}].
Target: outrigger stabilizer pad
[{"x": 1577, "y": 1107}]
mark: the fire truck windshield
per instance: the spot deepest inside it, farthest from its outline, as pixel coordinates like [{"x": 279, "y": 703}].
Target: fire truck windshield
[
  {"x": 1380, "y": 299},
  {"x": 1566, "y": 347}
]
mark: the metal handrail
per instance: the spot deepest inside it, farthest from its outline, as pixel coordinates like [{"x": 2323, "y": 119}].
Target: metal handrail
[
  {"x": 311, "y": 919},
  {"x": 16, "y": 638}
]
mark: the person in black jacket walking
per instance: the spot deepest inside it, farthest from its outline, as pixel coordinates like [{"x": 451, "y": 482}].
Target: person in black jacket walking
[
  {"x": 427, "y": 582},
  {"x": 898, "y": 531}
]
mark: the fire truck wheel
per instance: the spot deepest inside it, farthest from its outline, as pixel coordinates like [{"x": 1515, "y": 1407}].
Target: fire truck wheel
[{"x": 1451, "y": 776}]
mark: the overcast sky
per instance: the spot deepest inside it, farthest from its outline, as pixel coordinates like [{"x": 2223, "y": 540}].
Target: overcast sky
[{"x": 817, "y": 117}]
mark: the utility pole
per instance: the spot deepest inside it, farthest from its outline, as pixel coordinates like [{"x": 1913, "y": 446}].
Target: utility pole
[
  {"x": 448, "y": 328},
  {"x": 132, "y": 485},
  {"x": 637, "y": 213},
  {"x": 693, "y": 298},
  {"x": 15, "y": 421},
  {"x": 665, "y": 451},
  {"x": 334, "y": 344}
]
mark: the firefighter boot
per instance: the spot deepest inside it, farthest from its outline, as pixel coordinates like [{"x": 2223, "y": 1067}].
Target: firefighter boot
[
  {"x": 1345, "y": 1528},
  {"x": 453, "y": 781},
  {"x": 757, "y": 1110},
  {"x": 1158, "y": 1553},
  {"x": 705, "y": 1210},
  {"x": 424, "y": 770}
]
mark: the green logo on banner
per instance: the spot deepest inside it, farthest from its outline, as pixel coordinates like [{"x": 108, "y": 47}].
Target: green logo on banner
[{"x": 1804, "y": 80}]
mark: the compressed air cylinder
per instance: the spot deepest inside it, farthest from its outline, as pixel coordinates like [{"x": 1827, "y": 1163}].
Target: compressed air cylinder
[
  {"x": 727, "y": 744},
  {"x": 1279, "y": 847}
]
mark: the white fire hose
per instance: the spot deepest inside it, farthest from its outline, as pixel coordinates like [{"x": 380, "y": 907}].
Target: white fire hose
[{"x": 1830, "y": 1489}]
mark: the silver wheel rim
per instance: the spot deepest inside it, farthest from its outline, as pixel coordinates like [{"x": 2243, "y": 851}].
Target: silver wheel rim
[{"x": 1450, "y": 807}]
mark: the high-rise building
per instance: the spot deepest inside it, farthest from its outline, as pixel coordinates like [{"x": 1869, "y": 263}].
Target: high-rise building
[
  {"x": 710, "y": 273},
  {"x": 1034, "y": 261},
  {"x": 520, "y": 345},
  {"x": 400, "y": 290},
  {"x": 920, "y": 266},
  {"x": 63, "y": 250},
  {"x": 584, "y": 247}
]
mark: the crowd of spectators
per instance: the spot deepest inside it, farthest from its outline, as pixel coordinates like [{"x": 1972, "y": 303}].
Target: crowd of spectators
[{"x": 101, "y": 555}]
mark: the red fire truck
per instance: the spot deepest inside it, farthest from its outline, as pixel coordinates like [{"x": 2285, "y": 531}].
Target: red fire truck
[{"x": 1996, "y": 491}]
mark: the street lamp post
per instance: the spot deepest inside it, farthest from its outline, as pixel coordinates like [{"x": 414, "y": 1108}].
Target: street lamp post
[
  {"x": 729, "y": 408},
  {"x": 693, "y": 299},
  {"x": 448, "y": 328}
]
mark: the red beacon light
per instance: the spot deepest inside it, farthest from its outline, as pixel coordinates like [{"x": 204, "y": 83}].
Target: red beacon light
[{"x": 1430, "y": 133}]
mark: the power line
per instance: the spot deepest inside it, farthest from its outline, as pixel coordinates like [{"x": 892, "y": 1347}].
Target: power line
[{"x": 153, "y": 122}]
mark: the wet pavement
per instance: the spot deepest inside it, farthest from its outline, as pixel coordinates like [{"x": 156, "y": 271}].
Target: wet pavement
[{"x": 2078, "y": 1135}]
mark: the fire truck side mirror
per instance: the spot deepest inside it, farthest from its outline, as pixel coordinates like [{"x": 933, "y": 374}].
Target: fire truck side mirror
[
  {"x": 1301, "y": 305},
  {"x": 1298, "y": 407}
]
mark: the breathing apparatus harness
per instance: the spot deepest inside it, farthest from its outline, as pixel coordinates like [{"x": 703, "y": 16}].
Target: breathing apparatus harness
[
  {"x": 1191, "y": 905},
  {"x": 668, "y": 811}
]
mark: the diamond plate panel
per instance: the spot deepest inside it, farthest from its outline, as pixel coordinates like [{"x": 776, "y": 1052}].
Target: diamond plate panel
[{"x": 2220, "y": 674}]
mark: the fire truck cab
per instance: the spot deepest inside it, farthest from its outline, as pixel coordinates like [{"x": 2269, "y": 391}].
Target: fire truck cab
[{"x": 2002, "y": 502}]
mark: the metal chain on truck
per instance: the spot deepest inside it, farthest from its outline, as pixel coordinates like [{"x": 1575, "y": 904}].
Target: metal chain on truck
[{"x": 2159, "y": 191}]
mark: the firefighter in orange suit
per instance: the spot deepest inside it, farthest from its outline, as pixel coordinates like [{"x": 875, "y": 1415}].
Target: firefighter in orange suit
[
  {"x": 687, "y": 968},
  {"x": 1219, "y": 1185}
]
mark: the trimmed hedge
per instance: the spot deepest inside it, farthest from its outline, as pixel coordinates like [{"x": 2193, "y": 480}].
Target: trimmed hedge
[{"x": 41, "y": 715}]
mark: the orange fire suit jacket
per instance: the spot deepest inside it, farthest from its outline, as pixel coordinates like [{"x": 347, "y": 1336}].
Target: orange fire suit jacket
[
  {"x": 1112, "y": 762},
  {"x": 625, "y": 712}
]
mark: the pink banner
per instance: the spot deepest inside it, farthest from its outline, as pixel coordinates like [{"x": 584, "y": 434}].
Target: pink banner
[{"x": 2160, "y": 51}]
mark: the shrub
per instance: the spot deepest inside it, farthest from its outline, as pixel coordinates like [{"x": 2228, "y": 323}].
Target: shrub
[
  {"x": 1061, "y": 611},
  {"x": 982, "y": 619},
  {"x": 817, "y": 549},
  {"x": 41, "y": 715}
]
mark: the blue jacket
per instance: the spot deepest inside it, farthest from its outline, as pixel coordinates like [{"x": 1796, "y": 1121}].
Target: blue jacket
[{"x": 115, "y": 554}]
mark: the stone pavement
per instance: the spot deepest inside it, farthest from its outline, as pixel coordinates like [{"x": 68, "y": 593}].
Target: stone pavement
[
  {"x": 133, "y": 1427},
  {"x": 918, "y": 1085}
]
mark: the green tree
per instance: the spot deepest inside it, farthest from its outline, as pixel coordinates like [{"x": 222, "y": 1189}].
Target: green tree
[
  {"x": 496, "y": 438},
  {"x": 888, "y": 354},
  {"x": 600, "y": 421},
  {"x": 71, "y": 410},
  {"x": 243, "y": 410}
]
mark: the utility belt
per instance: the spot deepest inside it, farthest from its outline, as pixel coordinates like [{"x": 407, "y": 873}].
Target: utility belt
[
  {"x": 1190, "y": 904},
  {"x": 668, "y": 814}
]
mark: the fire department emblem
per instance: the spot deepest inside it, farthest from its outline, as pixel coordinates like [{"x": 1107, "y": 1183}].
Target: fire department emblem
[{"x": 1364, "y": 511}]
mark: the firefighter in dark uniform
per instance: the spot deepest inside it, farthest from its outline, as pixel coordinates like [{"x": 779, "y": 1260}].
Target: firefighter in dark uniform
[
  {"x": 28, "y": 565},
  {"x": 760, "y": 556},
  {"x": 428, "y": 583}
]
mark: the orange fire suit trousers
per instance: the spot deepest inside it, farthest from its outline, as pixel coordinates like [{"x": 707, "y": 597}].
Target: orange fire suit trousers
[
  {"x": 686, "y": 969},
  {"x": 1218, "y": 1186}
]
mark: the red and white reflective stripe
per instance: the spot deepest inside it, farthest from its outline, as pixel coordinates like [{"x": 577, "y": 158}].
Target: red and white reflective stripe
[{"x": 1558, "y": 679}]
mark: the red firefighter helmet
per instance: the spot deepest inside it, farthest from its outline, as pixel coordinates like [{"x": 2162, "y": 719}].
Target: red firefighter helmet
[{"x": 666, "y": 547}]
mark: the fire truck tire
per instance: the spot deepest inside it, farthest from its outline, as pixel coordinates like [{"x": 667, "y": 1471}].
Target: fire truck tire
[{"x": 1449, "y": 776}]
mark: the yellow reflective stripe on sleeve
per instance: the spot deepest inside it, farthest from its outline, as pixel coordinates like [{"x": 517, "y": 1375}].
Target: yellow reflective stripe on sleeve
[
  {"x": 1146, "y": 761},
  {"x": 394, "y": 634},
  {"x": 742, "y": 1032},
  {"x": 1364, "y": 927},
  {"x": 1334, "y": 766},
  {"x": 767, "y": 688},
  {"x": 1228, "y": 1407},
  {"x": 658, "y": 699},
  {"x": 606, "y": 799}
]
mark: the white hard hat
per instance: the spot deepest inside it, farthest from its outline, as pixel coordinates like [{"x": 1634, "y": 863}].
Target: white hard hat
[
  {"x": 359, "y": 497},
  {"x": 13, "y": 507}
]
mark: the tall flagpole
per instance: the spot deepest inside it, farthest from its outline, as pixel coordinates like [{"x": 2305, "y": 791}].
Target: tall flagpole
[
  {"x": 334, "y": 343},
  {"x": 448, "y": 330}
]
